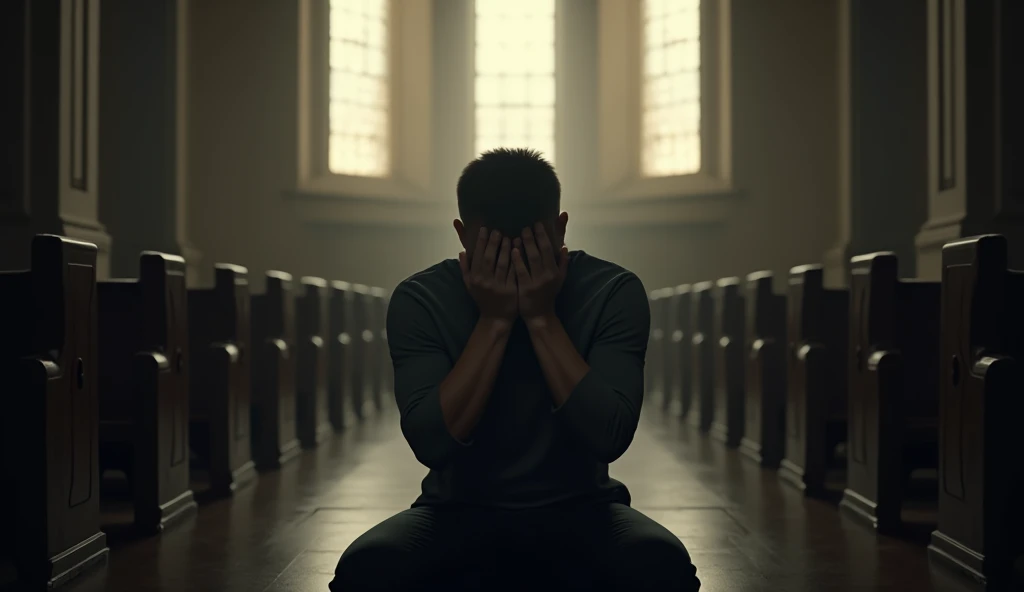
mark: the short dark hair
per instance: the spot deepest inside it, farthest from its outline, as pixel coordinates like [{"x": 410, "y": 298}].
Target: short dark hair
[{"x": 508, "y": 189}]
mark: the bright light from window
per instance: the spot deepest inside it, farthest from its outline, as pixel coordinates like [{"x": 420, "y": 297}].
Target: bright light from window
[
  {"x": 671, "y": 87},
  {"x": 515, "y": 75},
  {"x": 359, "y": 130}
]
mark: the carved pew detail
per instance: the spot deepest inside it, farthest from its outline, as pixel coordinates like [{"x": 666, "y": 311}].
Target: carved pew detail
[
  {"x": 49, "y": 482},
  {"x": 274, "y": 439},
  {"x": 893, "y": 369},
  {"x": 311, "y": 367},
  {"x": 980, "y": 408},
  {"x": 144, "y": 384},
  {"x": 702, "y": 311},
  {"x": 678, "y": 355},
  {"x": 729, "y": 385},
  {"x": 816, "y": 403},
  {"x": 219, "y": 393},
  {"x": 764, "y": 437},
  {"x": 339, "y": 353}
]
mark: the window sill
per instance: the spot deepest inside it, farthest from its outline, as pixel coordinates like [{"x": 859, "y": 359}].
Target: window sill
[
  {"x": 337, "y": 209},
  {"x": 663, "y": 201},
  {"x": 629, "y": 208}
]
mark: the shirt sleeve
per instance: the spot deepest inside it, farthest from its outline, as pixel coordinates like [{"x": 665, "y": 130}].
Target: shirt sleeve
[
  {"x": 420, "y": 364},
  {"x": 604, "y": 408}
]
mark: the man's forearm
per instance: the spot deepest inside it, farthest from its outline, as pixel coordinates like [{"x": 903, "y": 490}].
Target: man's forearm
[
  {"x": 466, "y": 389},
  {"x": 562, "y": 365}
]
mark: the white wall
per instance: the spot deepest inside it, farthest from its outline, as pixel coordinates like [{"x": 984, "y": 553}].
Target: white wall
[{"x": 242, "y": 146}]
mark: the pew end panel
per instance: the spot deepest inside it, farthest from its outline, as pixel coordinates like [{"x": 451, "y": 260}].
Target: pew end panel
[
  {"x": 817, "y": 320},
  {"x": 678, "y": 356},
  {"x": 219, "y": 391},
  {"x": 874, "y": 471},
  {"x": 274, "y": 428},
  {"x": 50, "y": 477},
  {"x": 892, "y": 369},
  {"x": 382, "y": 360},
  {"x": 160, "y": 389},
  {"x": 765, "y": 411},
  {"x": 161, "y": 490},
  {"x": 980, "y": 473},
  {"x": 730, "y": 381},
  {"x": 655, "y": 367},
  {"x": 313, "y": 421},
  {"x": 363, "y": 398},
  {"x": 339, "y": 352},
  {"x": 703, "y": 354}
]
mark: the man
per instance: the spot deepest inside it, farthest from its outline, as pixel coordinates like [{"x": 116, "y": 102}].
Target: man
[{"x": 519, "y": 377}]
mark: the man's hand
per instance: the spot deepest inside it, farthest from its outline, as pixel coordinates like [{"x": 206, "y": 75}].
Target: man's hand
[
  {"x": 540, "y": 284},
  {"x": 489, "y": 278}
]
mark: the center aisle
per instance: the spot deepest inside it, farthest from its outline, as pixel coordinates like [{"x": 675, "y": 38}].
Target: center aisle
[{"x": 744, "y": 529}]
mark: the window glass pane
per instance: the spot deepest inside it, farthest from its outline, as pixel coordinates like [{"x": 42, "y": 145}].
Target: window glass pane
[
  {"x": 515, "y": 75},
  {"x": 359, "y": 143},
  {"x": 671, "y": 129}
]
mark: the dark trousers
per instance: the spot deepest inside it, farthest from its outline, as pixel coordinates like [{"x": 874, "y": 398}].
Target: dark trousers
[{"x": 567, "y": 547}]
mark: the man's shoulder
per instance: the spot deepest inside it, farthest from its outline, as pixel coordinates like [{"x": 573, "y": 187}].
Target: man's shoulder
[
  {"x": 434, "y": 289},
  {"x": 440, "y": 277},
  {"x": 590, "y": 274}
]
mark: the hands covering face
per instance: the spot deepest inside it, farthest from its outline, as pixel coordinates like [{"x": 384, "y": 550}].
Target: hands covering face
[{"x": 500, "y": 282}]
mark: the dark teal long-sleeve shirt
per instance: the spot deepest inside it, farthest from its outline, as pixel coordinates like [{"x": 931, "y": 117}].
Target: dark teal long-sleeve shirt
[{"x": 524, "y": 452}]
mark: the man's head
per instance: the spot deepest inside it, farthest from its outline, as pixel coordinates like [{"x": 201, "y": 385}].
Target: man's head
[{"x": 508, "y": 190}]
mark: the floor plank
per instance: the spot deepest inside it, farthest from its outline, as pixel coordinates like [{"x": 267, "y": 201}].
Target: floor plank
[{"x": 745, "y": 530}]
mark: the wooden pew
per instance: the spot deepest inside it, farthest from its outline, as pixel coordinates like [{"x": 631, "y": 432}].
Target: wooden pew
[
  {"x": 362, "y": 353},
  {"x": 893, "y": 388},
  {"x": 339, "y": 353},
  {"x": 49, "y": 477},
  {"x": 655, "y": 365},
  {"x": 312, "y": 413},
  {"x": 764, "y": 436},
  {"x": 274, "y": 435},
  {"x": 702, "y": 318},
  {"x": 730, "y": 367},
  {"x": 678, "y": 356},
  {"x": 981, "y": 485},
  {"x": 382, "y": 299},
  {"x": 219, "y": 390},
  {"x": 377, "y": 315},
  {"x": 144, "y": 400},
  {"x": 816, "y": 403}
]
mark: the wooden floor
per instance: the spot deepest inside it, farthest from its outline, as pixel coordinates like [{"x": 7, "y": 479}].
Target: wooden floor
[{"x": 744, "y": 529}]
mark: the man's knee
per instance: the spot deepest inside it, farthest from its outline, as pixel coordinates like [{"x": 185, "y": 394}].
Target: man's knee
[
  {"x": 371, "y": 563},
  {"x": 660, "y": 562}
]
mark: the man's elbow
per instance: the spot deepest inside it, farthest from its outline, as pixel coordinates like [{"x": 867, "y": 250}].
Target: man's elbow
[
  {"x": 609, "y": 450},
  {"x": 432, "y": 452}
]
